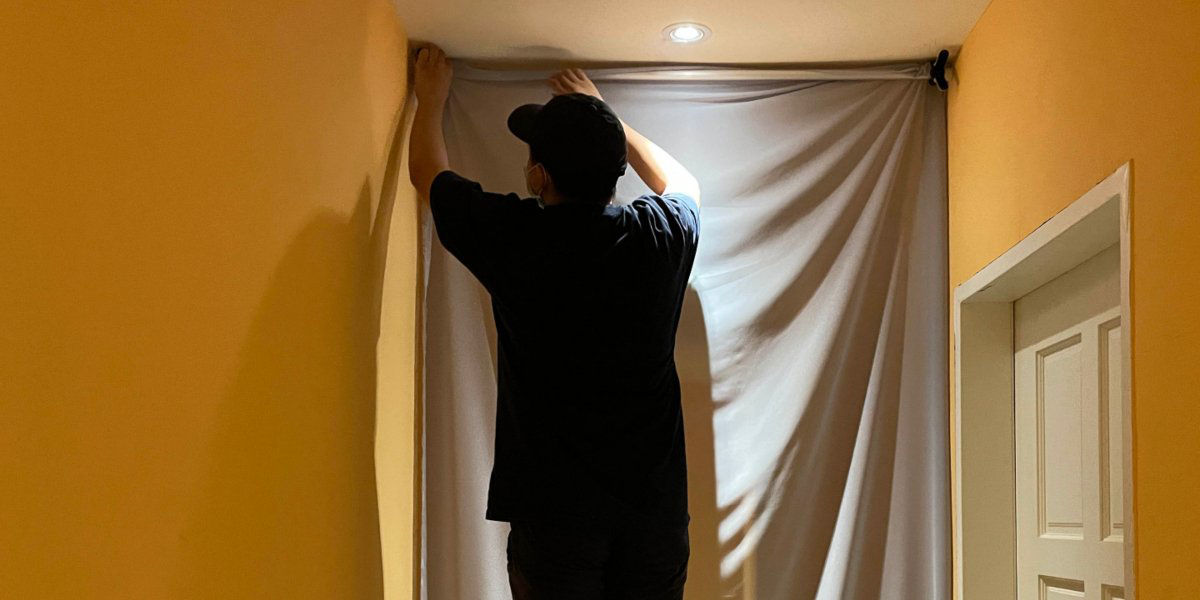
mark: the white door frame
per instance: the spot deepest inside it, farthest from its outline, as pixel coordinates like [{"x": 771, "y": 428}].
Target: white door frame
[{"x": 984, "y": 473}]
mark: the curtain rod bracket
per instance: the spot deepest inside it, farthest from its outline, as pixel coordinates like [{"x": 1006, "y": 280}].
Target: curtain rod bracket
[{"x": 937, "y": 72}]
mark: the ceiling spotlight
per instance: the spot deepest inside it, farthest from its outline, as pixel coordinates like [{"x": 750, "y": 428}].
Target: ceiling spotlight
[{"x": 686, "y": 33}]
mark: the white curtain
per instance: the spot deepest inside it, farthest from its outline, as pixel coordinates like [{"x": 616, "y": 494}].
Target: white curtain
[{"x": 812, "y": 351}]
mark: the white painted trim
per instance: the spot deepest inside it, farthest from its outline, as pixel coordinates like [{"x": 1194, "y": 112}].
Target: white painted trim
[
  {"x": 990, "y": 389},
  {"x": 1098, "y": 219},
  {"x": 1090, "y": 206},
  {"x": 1127, "y": 375},
  {"x": 956, "y": 533}
]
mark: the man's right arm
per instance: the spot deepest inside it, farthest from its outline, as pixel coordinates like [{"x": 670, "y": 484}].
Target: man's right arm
[{"x": 661, "y": 172}]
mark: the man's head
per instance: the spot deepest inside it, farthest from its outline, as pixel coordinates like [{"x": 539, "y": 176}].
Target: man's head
[{"x": 576, "y": 147}]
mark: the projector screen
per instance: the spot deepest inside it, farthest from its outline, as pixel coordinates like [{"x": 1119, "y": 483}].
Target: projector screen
[{"x": 812, "y": 349}]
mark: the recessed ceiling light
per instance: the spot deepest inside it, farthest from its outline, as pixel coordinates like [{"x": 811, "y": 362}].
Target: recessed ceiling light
[{"x": 686, "y": 33}]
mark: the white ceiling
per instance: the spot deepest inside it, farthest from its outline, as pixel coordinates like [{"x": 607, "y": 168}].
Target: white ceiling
[{"x": 744, "y": 31}]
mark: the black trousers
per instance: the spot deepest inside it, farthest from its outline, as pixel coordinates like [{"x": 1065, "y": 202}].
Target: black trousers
[{"x": 566, "y": 559}]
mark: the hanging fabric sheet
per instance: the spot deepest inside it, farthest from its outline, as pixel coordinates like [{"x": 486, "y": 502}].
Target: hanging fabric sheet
[{"x": 812, "y": 351}]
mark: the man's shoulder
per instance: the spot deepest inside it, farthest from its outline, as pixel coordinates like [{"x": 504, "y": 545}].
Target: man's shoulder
[
  {"x": 672, "y": 209},
  {"x": 453, "y": 192}
]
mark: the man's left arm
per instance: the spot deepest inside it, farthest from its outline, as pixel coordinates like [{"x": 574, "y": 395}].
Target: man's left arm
[{"x": 427, "y": 145}]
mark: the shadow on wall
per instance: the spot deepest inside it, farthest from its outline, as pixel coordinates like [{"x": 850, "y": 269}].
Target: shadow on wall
[
  {"x": 313, "y": 481},
  {"x": 308, "y": 381}
]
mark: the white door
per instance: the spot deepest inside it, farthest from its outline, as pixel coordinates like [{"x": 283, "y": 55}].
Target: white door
[{"x": 1067, "y": 343}]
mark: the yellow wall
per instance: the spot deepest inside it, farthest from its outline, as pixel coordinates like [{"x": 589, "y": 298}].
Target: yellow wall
[
  {"x": 1052, "y": 97},
  {"x": 191, "y": 196}
]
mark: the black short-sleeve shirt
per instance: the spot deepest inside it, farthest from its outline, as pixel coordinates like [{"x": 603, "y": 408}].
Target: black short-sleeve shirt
[{"x": 586, "y": 302}]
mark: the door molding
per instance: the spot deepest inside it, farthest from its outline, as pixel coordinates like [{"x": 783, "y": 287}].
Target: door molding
[{"x": 984, "y": 508}]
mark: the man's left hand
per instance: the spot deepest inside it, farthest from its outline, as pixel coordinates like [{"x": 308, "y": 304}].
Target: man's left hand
[{"x": 432, "y": 75}]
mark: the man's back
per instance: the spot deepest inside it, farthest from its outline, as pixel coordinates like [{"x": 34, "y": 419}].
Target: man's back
[{"x": 586, "y": 301}]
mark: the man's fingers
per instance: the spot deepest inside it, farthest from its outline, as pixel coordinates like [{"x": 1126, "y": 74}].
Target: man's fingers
[
  {"x": 569, "y": 80},
  {"x": 431, "y": 54},
  {"x": 564, "y": 83}
]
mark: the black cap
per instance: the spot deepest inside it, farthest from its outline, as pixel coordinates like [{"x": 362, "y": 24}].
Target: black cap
[{"x": 574, "y": 134}]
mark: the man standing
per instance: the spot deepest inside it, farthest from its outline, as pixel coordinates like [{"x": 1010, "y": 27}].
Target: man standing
[{"x": 589, "y": 463}]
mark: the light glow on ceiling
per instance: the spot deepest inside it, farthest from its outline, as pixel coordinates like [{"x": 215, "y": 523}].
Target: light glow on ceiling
[{"x": 686, "y": 33}]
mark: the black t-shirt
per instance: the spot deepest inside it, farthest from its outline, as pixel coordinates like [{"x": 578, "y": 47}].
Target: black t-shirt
[{"x": 586, "y": 301}]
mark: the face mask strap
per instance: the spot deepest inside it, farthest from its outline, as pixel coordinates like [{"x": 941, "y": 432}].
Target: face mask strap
[{"x": 537, "y": 193}]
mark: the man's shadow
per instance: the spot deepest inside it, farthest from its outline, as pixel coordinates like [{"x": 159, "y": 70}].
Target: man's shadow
[{"x": 291, "y": 478}]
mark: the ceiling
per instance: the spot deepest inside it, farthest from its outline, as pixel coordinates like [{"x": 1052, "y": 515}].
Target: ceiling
[{"x": 744, "y": 31}]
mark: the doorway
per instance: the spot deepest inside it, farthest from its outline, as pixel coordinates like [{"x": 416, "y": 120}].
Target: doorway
[{"x": 1042, "y": 480}]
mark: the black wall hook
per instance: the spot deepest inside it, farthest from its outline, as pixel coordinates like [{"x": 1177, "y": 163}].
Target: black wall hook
[{"x": 937, "y": 71}]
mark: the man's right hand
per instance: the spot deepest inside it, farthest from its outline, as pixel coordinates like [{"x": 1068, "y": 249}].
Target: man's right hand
[{"x": 573, "y": 81}]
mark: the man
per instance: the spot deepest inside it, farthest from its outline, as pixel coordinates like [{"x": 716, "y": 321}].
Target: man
[{"x": 589, "y": 464}]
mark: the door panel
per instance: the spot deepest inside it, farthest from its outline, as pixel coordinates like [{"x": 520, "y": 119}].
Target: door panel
[
  {"x": 1112, "y": 469},
  {"x": 1060, "y": 439}
]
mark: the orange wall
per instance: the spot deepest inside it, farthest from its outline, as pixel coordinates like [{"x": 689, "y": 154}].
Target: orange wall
[
  {"x": 190, "y": 247},
  {"x": 1052, "y": 97}
]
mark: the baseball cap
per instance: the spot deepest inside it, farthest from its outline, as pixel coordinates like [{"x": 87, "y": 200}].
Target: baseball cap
[{"x": 574, "y": 135}]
